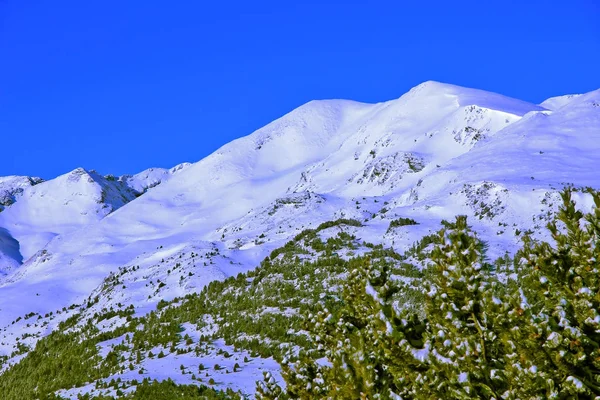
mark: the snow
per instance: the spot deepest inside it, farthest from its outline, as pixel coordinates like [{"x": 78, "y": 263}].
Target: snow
[
  {"x": 438, "y": 151},
  {"x": 533, "y": 369},
  {"x": 60, "y": 206},
  {"x": 585, "y": 291},
  {"x": 243, "y": 380},
  {"x": 422, "y": 354},
  {"x": 12, "y": 186},
  {"x": 553, "y": 340},
  {"x": 151, "y": 177},
  {"x": 576, "y": 382},
  {"x": 554, "y": 103}
]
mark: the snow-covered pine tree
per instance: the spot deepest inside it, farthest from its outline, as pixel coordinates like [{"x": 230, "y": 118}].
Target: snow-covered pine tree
[
  {"x": 268, "y": 389},
  {"x": 465, "y": 355},
  {"x": 560, "y": 346},
  {"x": 359, "y": 355}
]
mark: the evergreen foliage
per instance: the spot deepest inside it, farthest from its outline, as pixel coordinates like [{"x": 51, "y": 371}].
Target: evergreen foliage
[
  {"x": 528, "y": 331},
  {"x": 560, "y": 300},
  {"x": 168, "y": 390},
  {"x": 401, "y": 222}
]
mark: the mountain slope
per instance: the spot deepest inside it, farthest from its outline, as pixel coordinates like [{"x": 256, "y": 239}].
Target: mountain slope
[
  {"x": 12, "y": 186},
  {"x": 151, "y": 177},
  {"x": 64, "y": 204},
  {"x": 554, "y": 103},
  {"x": 61, "y": 205},
  {"x": 11, "y": 189}
]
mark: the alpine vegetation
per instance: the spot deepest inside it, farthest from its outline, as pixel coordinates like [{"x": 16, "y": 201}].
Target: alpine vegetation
[{"x": 525, "y": 330}]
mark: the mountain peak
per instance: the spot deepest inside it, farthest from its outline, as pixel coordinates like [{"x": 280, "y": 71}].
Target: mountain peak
[
  {"x": 464, "y": 96},
  {"x": 556, "y": 102},
  {"x": 12, "y": 186},
  {"x": 432, "y": 87},
  {"x": 179, "y": 167}
]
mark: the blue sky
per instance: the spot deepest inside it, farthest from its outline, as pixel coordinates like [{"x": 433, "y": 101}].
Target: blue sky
[{"x": 119, "y": 86}]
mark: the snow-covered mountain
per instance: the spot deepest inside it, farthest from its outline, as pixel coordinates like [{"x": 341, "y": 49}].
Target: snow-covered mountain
[
  {"x": 64, "y": 204},
  {"x": 12, "y": 186},
  {"x": 151, "y": 177},
  {"x": 437, "y": 151},
  {"x": 45, "y": 210}
]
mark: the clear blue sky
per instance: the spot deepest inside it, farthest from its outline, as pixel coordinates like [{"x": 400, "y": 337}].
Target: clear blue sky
[{"x": 119, "y": 86}]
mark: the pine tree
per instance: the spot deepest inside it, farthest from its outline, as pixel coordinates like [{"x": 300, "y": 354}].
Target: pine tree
[
  {"x": 465, "y": 355},
  {"x": 561, "y": 289},
  {"x": 268, "y": 389},
  {"x": 356, "y": 343}
]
